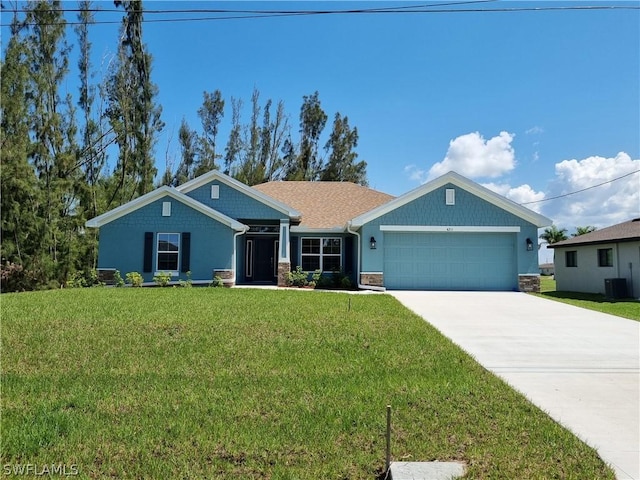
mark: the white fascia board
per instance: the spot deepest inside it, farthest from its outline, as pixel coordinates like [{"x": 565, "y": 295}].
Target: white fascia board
[
  {"x": 316, "y": 231},
  {"x": 235, "y": 184},
  {"x": 157, "y": 194},
  {"x": 448, "y": 229},
  {"x": 461, "y": 182}
]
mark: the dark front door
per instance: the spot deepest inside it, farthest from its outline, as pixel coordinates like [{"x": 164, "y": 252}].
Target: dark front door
[{"x": 262, "y": 258}]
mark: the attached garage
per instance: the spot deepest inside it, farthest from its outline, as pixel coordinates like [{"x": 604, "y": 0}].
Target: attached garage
[
  {"x": 449, "y": 234},
  {"x": 450, "y": 261}
]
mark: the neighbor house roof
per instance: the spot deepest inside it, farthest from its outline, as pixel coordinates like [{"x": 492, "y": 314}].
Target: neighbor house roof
[
  {"x": 325, "y": 205},
  {"x": 622, "y": 232}
]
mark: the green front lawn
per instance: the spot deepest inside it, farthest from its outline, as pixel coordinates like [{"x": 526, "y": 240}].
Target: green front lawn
[
  {"x": 202, "y": 382},
  {"x": 626, "y": 308}
]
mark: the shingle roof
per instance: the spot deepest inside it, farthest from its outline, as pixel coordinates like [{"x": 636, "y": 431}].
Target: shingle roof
[
  {"x": 622, "y": 232},
  {"x": 325, "y": 204}
]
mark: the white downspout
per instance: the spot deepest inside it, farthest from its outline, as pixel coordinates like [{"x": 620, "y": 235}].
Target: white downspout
[
  {"x": 235, "y": 244},
  {"x": 360, "y": 286}
]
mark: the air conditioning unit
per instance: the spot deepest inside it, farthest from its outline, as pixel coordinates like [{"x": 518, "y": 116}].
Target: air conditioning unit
[{"x": 615, "y": 287}]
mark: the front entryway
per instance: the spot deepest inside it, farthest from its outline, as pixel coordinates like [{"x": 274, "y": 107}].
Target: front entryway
[{"x": 261, "y": 261}]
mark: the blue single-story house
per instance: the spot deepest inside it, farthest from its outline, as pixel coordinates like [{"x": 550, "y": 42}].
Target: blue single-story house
[{"x": 448, "y": 234}]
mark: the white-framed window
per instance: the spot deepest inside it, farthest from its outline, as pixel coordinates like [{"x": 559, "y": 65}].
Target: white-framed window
[
  {"x": 321, "y": 254},
  {"x": 571, "y": 258},
  {"x": 168, "y": 252}
]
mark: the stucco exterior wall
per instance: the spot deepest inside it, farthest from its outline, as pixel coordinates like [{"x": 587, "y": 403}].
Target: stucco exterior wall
[
  {"x": 588, "y": 277},
  {"x": 122, "y": 240}
]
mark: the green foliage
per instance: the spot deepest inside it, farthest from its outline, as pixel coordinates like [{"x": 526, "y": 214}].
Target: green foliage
[
  {"x": 134, "y": 279},
  {"x": 342, "y": 165},
  {"x": 83, "y": 279},
  {"x": 297, "y": 277},
  {"x": 258, "y": 384},
  {"x": 217, "y": 282},
  {"x": 162, "y": 279},
  {"x": 553, "y": 235},
  {"x": 117, "y": 279},
  {"x": 188, "y": 283}
]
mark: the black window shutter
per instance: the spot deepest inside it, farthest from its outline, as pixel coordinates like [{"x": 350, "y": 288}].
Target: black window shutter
[
  {"x": 186, "y": 252},
  {"x": 148, "y": 252},
  {"x": 348, "y": 255},
  {"x": 294, "y": 252}
]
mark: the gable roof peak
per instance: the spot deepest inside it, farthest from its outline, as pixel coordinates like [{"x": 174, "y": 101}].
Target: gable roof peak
[
  {"x": 217, "y": 175},
  {"x": 464, "y": 183}
]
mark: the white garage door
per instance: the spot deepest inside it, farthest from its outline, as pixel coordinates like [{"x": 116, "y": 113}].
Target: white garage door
[{"x": 450, "y": 261}]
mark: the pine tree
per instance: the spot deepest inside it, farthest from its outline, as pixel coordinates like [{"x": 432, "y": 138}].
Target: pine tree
[
  {"x": 308, "y": 165},
  {"x": 210, "y": 113},
  {"x": 132, "y": 111},
  {"x": 234, "y": 144},
  {"x": 342, "y": 165},
  {"x": 19, "y": 193},
  {"x": 188, "y": 147},
  {"x": 91, "y": 157},
  {"x": 54, "y": 148}
]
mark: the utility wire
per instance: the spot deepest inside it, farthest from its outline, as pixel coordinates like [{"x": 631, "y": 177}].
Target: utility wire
[
  {"x": 226, "y": 14},
  {"x": 580, "y": 191}
]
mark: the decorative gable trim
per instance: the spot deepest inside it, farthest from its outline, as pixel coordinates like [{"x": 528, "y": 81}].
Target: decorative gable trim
[
  {"x": 216, "y": 175},
  {"x": 157, "y": 194},
  {"x": 461, "y": 182}
]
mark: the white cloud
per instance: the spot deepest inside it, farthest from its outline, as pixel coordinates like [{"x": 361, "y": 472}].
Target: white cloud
[
  {"x": 534, "y": 130},
  {"x": 415, "y": 173},
  {"x": 473, "y": 156},
  {"x": 602, "y": 206},
  {"x": 522, "y": 194}
]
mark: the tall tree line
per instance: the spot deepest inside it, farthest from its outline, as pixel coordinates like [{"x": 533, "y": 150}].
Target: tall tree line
[
  {"x": 67, "y": 158},
  {"x": 263, "y": 149}
]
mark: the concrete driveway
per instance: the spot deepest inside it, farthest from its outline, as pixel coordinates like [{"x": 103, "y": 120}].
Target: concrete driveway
[{"x": 581, "y": 367}]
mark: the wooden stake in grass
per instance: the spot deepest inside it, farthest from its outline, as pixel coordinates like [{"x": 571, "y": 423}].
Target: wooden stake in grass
[{"x": 388, "y": 453}]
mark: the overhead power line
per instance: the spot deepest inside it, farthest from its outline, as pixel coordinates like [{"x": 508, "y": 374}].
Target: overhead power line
[
  {"x": 582, "y": 190},
  {"x": 245, "y": 14}
]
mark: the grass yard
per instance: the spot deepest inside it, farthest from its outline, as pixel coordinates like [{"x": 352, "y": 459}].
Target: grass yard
[
  {"x": 203, "y": 382},
  {"x": 626, "y": 308}
]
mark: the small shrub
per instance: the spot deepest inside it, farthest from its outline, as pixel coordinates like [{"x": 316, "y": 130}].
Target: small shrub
[
  {"x": 83, "y": 279},
  {"x": 217, "y": 282},
  {"x": 117, "y": 279},
  {"x": 134, "y": 278},
  {"x": 186, "y": 283},
  {"x": 162, "y": 279},
  {"x": 297, "y": 278}
]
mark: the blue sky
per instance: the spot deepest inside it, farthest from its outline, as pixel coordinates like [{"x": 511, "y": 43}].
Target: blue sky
[{"x": 533, "y": 104}]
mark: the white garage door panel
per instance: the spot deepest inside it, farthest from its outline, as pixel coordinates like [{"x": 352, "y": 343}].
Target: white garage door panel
[{"x": 450, "y": 261}]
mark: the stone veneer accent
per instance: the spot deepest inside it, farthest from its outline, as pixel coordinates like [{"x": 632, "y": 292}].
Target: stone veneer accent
[
  {"x": 529, "y": 283},
  {"x": 372, "y": 279},
  {"x": 107, "y": 276},
  {"x": 226, "y": 276},
  {"x": 283, "y": 269}
]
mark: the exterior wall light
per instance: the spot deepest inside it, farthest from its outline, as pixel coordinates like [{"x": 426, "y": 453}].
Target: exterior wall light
[
  {"x": 529, "y": 244},
  {"x": 372, "y": 243}
]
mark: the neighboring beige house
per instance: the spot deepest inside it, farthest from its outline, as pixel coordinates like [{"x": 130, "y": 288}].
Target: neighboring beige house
[
  {"x": 546, "y": 269},
  {"x": 606, "y": 259}
]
